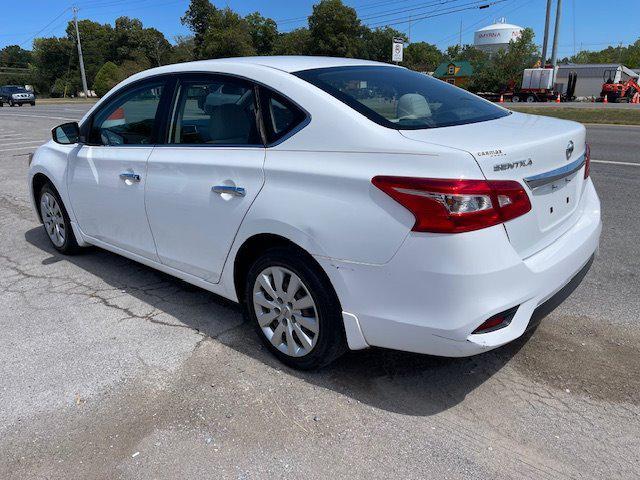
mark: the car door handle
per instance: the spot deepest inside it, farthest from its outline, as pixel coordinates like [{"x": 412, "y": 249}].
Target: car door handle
[
  {"x": 236, "y": 191},
  {"x": 134, "y": 177}
]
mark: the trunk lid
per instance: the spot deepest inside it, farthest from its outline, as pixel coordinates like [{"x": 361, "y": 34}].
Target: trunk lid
[{"x": 535, "y": 151}]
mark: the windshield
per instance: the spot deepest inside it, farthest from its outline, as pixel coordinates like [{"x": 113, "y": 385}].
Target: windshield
[
  {"x": 400, "y": 98},
  {"x": 16, "y": 90}
]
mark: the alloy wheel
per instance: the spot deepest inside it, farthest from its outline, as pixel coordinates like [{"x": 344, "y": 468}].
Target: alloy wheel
[
  {"x": 285, "y": 311},
  {"x": 53, "y": 219}
]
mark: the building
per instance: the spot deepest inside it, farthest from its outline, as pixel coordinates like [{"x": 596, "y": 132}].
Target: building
[
  {"x": 495, "y": 37},
  {"x": 591, "y": 76},
  {"x": 455, "y": 73}
]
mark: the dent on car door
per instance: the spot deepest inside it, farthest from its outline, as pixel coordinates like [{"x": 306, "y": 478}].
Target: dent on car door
[
  {"x": 107, "y": 174},
  {"x": 202, "y": 181}
]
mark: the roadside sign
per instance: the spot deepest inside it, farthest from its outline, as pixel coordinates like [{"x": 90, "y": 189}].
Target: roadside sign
[{"x": 398, "y": 47}]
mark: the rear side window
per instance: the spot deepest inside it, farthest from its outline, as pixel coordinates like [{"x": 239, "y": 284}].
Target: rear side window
[
  {"x": 215, "y": 112},
  {"x": 402, "y": 99},
  {"x": 129, "y": 118},
  {"x": 280, "y": 115}
]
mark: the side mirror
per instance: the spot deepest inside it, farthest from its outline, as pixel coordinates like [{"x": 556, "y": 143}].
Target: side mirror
[{"x": 66, "y": 134}]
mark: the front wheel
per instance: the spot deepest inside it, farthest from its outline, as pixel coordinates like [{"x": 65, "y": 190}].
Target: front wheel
[
  {"x": 294, "y": 309},
  {"x": 56, "y": 221}
]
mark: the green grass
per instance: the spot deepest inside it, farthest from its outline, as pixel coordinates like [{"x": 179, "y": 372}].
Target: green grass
[{"x": 612, "y": 116}]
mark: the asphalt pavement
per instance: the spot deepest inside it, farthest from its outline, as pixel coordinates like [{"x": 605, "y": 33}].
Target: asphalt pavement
[{"x": 109, "y": 369}]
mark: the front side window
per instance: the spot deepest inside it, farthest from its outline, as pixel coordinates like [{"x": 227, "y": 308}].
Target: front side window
[
  {"x": 129, "y": 119},
  {"x": 400, "y": 98},
  {"x": 215, "y": 112}
]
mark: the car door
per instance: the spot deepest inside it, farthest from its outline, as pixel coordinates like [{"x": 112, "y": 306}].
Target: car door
[
  {"x": 107, "y": 174},
  {"x": 202, "y": 181}
]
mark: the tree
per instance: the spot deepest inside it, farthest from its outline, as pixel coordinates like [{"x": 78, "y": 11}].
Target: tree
[
  {"x": 263, "y": 31},
  {"x": 295, "y": 42},
  {"x": 14, "y": 56},
  {"x": 52, "y": 59},
  {"x": 227, "y": 36},
  {"x": 377, "y": 44},
  {"x": 465, "y": 52},
  {"x": 97, "y": 47},
  {"x": 107, "y": 77},
  {"x": 422, "y": 56},
  {"x": 629, "y": 55},
  {"x": 198, "y": 19},
  {"x": 335, "y": 29},
  {"x": 183, "y": 50}
]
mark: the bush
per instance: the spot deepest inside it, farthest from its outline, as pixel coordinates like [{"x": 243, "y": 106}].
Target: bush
[{"x": 106, "y": 78}]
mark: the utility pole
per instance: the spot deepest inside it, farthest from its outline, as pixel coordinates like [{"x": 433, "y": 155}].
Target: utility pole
[
  {"x": 545, "y": 41},
  {"x": 82, "y": 74},
  {"x": 554, "y": 51},
  {"x": 460, "y": 40}
]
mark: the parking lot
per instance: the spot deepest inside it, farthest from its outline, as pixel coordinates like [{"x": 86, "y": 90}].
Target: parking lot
[{"x": 110, "y": 369}]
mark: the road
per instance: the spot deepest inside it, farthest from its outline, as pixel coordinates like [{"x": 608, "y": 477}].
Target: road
[{"x": 112, "y": 370}]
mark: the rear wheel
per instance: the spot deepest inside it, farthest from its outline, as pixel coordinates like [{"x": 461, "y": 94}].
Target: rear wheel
[
  {"x": 56, "y": 221},
  {"x": 515, "y": 99},
  {"x": 531, "y": 99},
  {"x": 294, "y": 309}
]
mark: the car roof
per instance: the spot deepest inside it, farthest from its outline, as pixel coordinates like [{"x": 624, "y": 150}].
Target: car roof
[{"x": 286, "y": 63}]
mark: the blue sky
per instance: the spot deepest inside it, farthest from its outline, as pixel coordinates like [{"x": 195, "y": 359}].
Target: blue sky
[{"x": 592, "y": 25}]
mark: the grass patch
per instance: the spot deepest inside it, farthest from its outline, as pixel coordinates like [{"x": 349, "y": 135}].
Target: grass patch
[{"x": 612, "y": 116}]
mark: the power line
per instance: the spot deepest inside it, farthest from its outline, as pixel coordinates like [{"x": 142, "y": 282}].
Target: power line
[
  {"x": 45, "y": 27},
  {"x": 470, "y": 6},
  {"x": 388, "y": 13}
]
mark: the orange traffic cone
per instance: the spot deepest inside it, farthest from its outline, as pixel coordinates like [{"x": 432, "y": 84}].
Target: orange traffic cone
[
  {"x": 605, "y": 99},
  {"x": 501, "y": 98},
  {"x": 558, "y": 99}
]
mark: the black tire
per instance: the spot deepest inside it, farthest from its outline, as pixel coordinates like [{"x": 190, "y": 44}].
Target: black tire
[
  {"x": 70, "y": 245},
  {"x": 331, "y": 342},
  {"x": 33, "y": 104}
]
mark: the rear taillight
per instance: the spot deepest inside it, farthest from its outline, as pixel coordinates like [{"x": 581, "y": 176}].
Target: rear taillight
[
  {"x": 455, "y": 206},
  {"x": 587, "y": 160}
]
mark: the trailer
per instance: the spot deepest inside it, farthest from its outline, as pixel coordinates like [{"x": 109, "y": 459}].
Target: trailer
[{"x": 537, "y": 86}]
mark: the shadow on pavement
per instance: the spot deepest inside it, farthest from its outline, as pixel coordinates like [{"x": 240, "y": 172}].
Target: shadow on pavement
[{"x": 400, "y": 382}]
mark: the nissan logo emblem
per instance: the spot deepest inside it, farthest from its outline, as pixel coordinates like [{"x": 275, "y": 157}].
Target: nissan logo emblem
[{"x": 569, "y": 150}]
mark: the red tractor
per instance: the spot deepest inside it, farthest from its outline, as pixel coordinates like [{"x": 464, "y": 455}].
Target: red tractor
[{"x": 617, "y": 92}]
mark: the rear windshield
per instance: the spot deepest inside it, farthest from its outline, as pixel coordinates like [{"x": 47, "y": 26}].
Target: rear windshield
[{"x": 402, "y": 99}]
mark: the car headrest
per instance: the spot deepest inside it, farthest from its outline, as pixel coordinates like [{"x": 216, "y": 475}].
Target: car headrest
[
  {"x": 413, "y": 105},
  {"x": 229, "y": 123}
]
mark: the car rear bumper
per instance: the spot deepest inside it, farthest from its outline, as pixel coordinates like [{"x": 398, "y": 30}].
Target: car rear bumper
[{"x": 439, "y": 288}]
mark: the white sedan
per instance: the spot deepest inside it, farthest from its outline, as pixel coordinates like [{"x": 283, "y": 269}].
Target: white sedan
[{"x": 344, "y": 203}]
